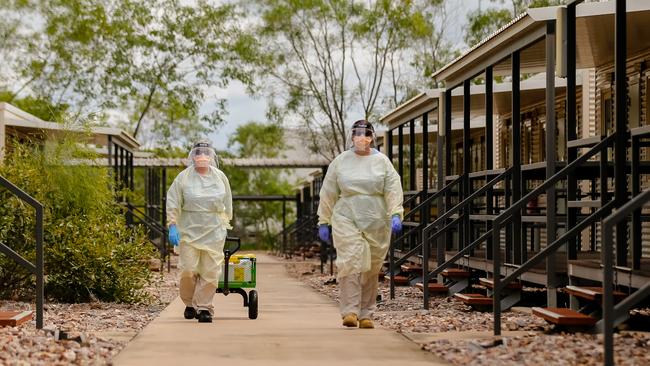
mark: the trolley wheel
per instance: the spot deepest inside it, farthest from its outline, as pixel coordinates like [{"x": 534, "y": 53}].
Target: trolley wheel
[{"x": 252, "y": 304}]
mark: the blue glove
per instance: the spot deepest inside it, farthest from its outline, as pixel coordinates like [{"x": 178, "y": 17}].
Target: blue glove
[
  {"x": 324, "y": 232},
  {"x": 174, "y": 235},
  {"x": 396, "y": 224}
]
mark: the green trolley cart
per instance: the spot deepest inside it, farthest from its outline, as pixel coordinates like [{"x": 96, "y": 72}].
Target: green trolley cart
[{"x": 239, "y": 273}]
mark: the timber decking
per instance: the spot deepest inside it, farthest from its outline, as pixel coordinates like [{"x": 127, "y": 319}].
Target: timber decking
[
  {"x": 564, "y": 316},
  {"x": 14, "y": 318}
]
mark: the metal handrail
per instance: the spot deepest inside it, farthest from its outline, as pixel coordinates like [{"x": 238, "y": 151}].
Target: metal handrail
[
  {"x": 507, "y": 216},
  {"x": 429, "y": 227},
  {"x": 437, "y": 194},
  {"x": 282, "y": 234},
  {"x": 519, "y": 205},
  {"x": 37, "y": 268},
  {"x": 412, "y": 198},
  {"x": 426, "y": 239},
  {"x": 524, "y": 267},
  {"x": 467, "y": 201},
  {"x": 609, "y": 312},
  {"x": 460, "y": 254},
  {"x": 427, "y": 201},
  {"x": 151, "y": 220},
  {"x": 156, "y": 227},
  {"x": 307, "y": 221}
]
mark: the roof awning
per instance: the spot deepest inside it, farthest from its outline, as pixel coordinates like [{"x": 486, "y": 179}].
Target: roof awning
[
  {"x": 532, "y": 92},
  {"x": 31, "y": 125},
  {"x": 594, "y": 34}
]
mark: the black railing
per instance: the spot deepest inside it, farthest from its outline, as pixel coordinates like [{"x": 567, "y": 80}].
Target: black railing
[
  {"x": 612, "y": 314},
  {"x": 555, "y": 245},
  {"x": 153, "y": 226},
  {"x": 412, "y": 197},
  {"x": 441, "y": 219},
  {"x": 508, "y": 215},
  {"x": 423, "y": 206},
  {"x": 35, "y": 268},
  {"x": 281, "y": 238},
  {"x": 301, "y": 232}
]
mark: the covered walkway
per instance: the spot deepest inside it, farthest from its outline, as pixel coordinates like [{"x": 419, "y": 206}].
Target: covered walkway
[{"x": 296, "y": 326}]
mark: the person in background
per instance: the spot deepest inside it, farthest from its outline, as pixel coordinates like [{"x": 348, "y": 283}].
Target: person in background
[
  {"x": 361, "y": 199},
  {"x": 199, "y": 210}
]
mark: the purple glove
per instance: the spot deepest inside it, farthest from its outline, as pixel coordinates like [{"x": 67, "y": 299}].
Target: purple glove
[
  {"x": 324, "y": 232},
  {"x": 396, "y": 224}
]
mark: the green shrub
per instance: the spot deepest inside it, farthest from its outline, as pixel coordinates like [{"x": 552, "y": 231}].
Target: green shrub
[{"x": 90, "y": 253}]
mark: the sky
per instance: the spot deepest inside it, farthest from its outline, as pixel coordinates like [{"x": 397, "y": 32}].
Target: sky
[{"x": 242, "y": 108}]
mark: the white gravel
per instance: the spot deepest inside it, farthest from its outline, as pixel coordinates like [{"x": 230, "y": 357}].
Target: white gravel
[
  {"x": 107, "y": 327},
  {"x": 446, "y": 316},
  {"x": 102, "y": 329}
]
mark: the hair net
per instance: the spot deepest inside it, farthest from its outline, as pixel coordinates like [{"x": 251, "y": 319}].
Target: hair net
[{"x": 203, "y": 155}]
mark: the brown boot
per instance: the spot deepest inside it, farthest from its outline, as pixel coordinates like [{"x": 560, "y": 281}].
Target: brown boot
[
  {"x": 350, "y": 320},
  {"x": 366, "y": 323}
]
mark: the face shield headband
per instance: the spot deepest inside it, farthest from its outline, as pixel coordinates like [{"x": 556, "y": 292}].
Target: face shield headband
[
  {"x": 362, "y": 139},
  {"x": 203, "y": 156}
]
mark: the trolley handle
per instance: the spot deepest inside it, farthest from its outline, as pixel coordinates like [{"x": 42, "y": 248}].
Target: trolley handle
[{"x": 228, "y": 251}]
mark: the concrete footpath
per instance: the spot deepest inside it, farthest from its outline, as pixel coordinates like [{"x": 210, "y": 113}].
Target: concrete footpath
[{"x": 296, "y": 326}]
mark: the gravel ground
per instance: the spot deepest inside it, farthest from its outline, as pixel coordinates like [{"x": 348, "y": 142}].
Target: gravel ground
[
  {"x": 545, "y": 349},
  {"x": 101, "y": 329},
  {"x": 539, "y": 345},
  {"x": 105, "y": 328}
]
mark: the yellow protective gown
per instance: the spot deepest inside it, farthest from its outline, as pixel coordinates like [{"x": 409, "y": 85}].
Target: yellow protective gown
[
  {"x": 201, "y": 207},
  {"x": 358, "y": 197}
]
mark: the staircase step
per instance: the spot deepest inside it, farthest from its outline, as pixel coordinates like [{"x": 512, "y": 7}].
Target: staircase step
[
  {"x": 584, "y": 203},
  {"x": 474, "y": 299},
  {"x": 455, "y": 273},
  {"x": 14, "y": 318},
  {"x": 640, "y": 131},
  {"x": 401, "y": 280},
  {"x": 433, "y": 287},
  {"x": 482, "y": 217},
  {"x": 585, "y": 142},
  {"x": 540, "y": 219},
  {"x": 489, "y": 283},
  {"x": 410, "y": 223},
  {"x": 412, "y": 268},
  {"x": 564, "y": 316},
  {"x": 591, "y": 293}
]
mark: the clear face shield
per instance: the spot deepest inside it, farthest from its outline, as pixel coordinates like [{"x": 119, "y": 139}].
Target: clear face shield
[
  {"x": 362, "y": 139},
  {"x": 203, "y": 157}
]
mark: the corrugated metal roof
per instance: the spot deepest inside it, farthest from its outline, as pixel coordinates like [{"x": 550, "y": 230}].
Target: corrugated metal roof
[
  {"x": 16, "y": 117},
  {"x": 530, "y": 22},
  {"x": 481, "y": 43}
]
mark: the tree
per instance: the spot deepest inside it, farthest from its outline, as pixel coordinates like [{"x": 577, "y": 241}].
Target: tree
[
  {"x": 434, "y": 50},
  {"x": 38, "y": 107},
  {"x": 329, "y": 59},
  {"x": 482, "y": 23},
  {"x": 156, "y": 61},
  {"x": 256, "y": 140}
]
